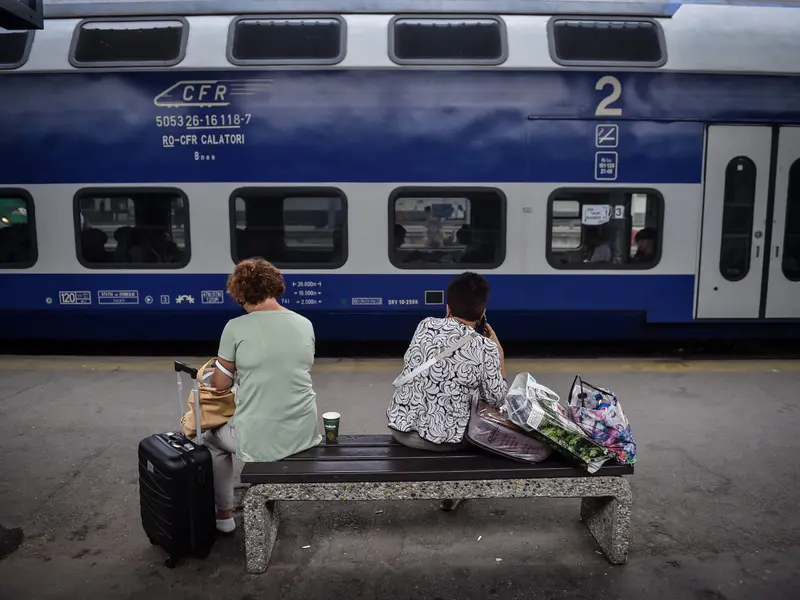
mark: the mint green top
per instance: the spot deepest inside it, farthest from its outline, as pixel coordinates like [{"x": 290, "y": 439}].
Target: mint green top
[{"x": 276, "y": 412}]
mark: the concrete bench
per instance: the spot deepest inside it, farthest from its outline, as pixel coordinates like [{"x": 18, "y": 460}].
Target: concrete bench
[{"x": 375, "y": 467}]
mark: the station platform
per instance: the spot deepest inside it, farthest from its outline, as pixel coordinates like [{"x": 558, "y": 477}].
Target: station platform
[{"x": 716, "y": 494}]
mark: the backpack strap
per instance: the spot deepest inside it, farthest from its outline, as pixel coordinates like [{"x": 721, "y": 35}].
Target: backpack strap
[{"x": 403, "y": 379}]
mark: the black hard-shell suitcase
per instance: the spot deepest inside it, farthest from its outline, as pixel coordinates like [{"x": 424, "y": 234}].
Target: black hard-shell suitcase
[{"x": 176, "y": 488}]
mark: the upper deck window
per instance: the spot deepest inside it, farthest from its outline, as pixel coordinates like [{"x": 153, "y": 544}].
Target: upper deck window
[
  {"x": 287, "y": 40},
  {"x": 600, "y": 41},
  {"x": 474, "y": 40},
  {"x": 14, "y": 48},
  {"x": 160, "y": 42}
]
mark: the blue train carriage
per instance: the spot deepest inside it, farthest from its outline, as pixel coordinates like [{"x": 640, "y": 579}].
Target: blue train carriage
[{"x": 633, "y": 171}]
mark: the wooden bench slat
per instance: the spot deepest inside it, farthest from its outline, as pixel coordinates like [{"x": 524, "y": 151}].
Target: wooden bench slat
[
  {"x": 361, "y": 459},
  {"x": 394, "y": 452}
]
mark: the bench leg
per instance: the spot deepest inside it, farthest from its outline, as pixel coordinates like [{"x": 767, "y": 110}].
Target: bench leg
[
  {"x": 260, "y": 531},
  {"x": 608, "y": 519}
]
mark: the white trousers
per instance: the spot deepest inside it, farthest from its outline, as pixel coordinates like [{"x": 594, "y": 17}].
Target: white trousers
[{"x": 221, "y": 443}]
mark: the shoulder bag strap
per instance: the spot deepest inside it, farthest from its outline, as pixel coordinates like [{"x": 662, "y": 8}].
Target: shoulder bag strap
[{"x": 403, "y": 379}]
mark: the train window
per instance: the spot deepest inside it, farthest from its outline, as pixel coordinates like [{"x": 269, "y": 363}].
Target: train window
[
  {"x": 791, "y": 237},
  {"x": 442, "y": 40},
  {"x": 133, "y": 228},
  {"x": 17, "y": 230},
  {"x": 606, "y": 41},
  {"x": 604, "y": 229},
  {"x": 287, "y": 40},
  {"x": 14, "y": 48},
  {"x": 295, "y": 228},
  {"x": 123, "y": 42},
  {"x": 447, "y": 228},
  {"x": 737, "y": 218}
]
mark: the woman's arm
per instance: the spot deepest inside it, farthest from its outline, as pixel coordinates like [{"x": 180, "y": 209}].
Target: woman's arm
[
  {"x": 222, "y": 378},
  {"x": 493, "y": 385}
]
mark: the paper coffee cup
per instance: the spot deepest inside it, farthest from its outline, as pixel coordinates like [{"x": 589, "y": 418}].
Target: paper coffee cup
[{"x": 331, "y": 422}]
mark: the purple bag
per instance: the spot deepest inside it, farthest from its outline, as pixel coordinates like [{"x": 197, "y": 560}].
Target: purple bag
[{"x": 491, "y": 430}]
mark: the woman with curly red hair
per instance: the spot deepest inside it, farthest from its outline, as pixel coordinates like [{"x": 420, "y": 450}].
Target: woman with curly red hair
[{"x": 269, "y": 351}]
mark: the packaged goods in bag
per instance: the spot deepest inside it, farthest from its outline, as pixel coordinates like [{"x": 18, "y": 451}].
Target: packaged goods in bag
[
  {"x": 491, "y": 430},
  {"x": 599, "y": 414},
  {"x": 536, "y": 409}
]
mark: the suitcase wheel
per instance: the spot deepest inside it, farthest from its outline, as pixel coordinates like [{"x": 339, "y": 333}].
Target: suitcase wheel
[{"x": 171, "y": 562}]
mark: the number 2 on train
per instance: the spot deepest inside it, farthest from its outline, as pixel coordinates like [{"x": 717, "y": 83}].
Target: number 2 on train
[{"x": 604, "y": 109}]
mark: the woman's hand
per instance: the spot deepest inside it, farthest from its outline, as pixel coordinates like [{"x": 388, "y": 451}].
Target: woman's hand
[
  {"x": 491, "y": 334},
  {"x": 493, "y": 337}
]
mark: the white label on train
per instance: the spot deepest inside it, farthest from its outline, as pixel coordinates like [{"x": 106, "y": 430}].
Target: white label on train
[
  {"x": 606, "y": 165},
  {"x": 595, "y": 214},
  {"x": 74, "y": 297},
  {"x": 212, "y": 297},
  {"x": 118, "y": 297},
  {"x": 367, "y": 301}
]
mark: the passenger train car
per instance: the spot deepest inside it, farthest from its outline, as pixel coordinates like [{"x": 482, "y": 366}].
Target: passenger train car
[{"x": 618, "y": 170}]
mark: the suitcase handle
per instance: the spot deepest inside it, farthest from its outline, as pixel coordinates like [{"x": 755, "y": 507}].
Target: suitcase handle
[
  {"x": 192, "y": 372},
  {"x": 182, "y": 368}
]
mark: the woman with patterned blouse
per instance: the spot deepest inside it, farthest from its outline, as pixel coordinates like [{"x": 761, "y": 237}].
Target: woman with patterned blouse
[{"x": 431, "y": 410}]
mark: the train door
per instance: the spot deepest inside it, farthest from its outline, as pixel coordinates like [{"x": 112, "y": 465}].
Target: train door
[
  {"x": 749, "y": 252},
  {"x": 734, "y": 216},
  {"x": 783, "y": 285}
]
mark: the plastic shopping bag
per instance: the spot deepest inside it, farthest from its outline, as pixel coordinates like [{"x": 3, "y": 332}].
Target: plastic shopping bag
[
  {"x": 536, "y": 409},
  {"x": 599, "y": 414}
]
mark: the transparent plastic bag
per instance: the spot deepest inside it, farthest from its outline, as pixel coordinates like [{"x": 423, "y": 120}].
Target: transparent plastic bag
[
  {"x": 599, "y": 414},
  {"x": 536, "y": 409}
]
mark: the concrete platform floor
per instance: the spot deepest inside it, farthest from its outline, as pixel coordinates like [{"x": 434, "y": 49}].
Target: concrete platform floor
[{"x": 716, "y": 495}]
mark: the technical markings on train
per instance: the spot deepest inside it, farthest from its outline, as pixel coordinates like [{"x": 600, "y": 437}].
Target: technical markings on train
[
  {"x": 306, "y": 293},
  {"x": 200, "y": 122},
  {"x": 212, "y": 297},
  {"x": 75, "y": 298},
  {"x": 606, "y": 136},
  {"x": 198, "y": 131},
  {"x": 606, "y": 166},
  {"x": 110, "y": 297},
  {"x": 366, "y": 301},
  {"x": 184, "y": 299},
  {"x": 165, "y": 298}
]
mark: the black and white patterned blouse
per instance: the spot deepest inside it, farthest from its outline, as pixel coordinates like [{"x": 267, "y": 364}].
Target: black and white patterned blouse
[{"x": 436, "y": 403}]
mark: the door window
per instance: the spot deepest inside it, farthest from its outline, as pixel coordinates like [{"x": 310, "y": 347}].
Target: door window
[
  {"x": 737, "y": 218},
  {"x": 791, "y": 236}
]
